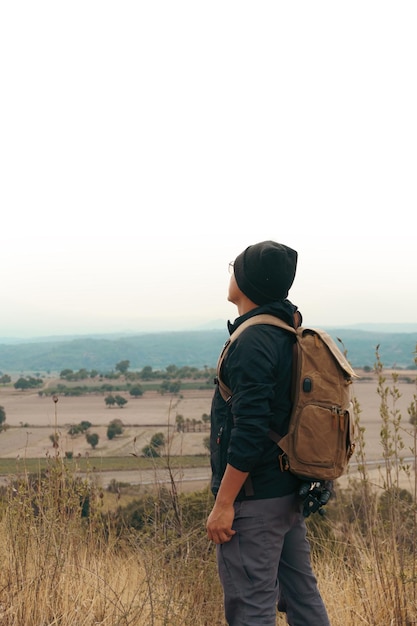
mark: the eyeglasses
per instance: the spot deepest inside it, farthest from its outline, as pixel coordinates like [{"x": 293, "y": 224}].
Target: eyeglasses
[{"x": 231, "y": 267}]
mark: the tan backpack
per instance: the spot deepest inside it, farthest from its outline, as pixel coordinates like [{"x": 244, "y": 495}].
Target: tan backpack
[{"x": 320, "y": 439}]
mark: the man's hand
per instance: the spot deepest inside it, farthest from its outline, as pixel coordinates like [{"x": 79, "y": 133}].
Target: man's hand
[
  {"x": 220, "y": 520},
  {"x": 219, "y": 523}
]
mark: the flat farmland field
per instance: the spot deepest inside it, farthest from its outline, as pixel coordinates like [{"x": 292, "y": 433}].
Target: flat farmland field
[{"x": 32, "y": 419}]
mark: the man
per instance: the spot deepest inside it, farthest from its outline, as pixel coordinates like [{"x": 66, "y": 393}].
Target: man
[{"x": 262, "y": 552}]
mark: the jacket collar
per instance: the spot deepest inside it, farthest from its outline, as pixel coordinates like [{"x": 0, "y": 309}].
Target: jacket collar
[{"x": 284, "y": 309}]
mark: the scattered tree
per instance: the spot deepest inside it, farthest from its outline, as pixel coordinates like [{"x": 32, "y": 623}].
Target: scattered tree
[
  {"x": 28, "y": 382},
  {"x": 4, "y": 379},
  {"x": 65, "y": 373},
  {"x": 122, "y": 366},
  {"x": 114, "y": 428},
  {"x": 150, "y": 451},
  {"x": 171, "y": 370},
  {"x": 146, "y": 373},
  {"x": 74, "y": 430},
  {"x": 179, "y": 420},
  {"x": 120, "y": 401},
  {"x": 170, "y": 386},
  {"x": 110, "y": 400},
  {"x": 92, "y": 439},
  {"x": 158, "y": 440},
  {"x": 82, "y": 374},
  {"x": 136, "y": 391},
  {"x": 2, "y": 417}
]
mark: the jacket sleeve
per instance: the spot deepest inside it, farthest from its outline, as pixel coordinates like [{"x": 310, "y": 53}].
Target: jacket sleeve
[{"x": 259, "y": 373}]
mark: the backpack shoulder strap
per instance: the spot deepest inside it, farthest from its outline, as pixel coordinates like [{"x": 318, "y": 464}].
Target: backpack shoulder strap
[{"x": 263, "y": 318}]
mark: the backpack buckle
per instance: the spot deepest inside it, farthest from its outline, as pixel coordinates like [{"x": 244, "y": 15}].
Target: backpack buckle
[{"x": 283, "y": 462}]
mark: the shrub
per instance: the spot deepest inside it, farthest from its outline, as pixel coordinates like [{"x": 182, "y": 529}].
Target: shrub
[
  {"x": 114, "y": 428},
  {"x": 92, "y": 439},
  {"x": 136, "y": 391}
]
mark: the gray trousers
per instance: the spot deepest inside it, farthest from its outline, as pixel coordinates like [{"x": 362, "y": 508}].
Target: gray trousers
[{"x": 268, "y": 559}]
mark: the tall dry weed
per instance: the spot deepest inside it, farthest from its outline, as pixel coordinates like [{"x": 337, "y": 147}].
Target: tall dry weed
[{"x": 374, "y": 523}]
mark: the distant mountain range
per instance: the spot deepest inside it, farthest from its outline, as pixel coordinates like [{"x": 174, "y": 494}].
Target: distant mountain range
[
  {"x": 385, "y": 328},
  {"x": 194, "y": 348}
]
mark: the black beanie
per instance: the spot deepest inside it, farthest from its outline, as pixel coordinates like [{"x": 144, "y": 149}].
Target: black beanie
[{"x": 265, "y": 271}]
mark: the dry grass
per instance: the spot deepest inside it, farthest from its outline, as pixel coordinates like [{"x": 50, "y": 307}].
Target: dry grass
[
  {"x": 60, "y": 568},
  {"x": 93, "y": 584}
]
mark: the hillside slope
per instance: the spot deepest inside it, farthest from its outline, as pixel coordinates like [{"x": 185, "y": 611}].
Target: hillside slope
[{"x": 191, "y": 348}]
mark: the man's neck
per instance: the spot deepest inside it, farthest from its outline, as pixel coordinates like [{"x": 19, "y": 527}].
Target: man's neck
[{"x": 245, "y": 305}]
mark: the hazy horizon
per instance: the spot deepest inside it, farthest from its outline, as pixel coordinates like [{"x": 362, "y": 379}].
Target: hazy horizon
[{"x": 209, "y": 325}]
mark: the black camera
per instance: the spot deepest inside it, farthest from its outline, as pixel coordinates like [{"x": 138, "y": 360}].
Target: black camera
[{"x": 315, "y": 495}]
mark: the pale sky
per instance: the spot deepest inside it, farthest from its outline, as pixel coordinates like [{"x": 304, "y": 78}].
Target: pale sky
[{"x": 143, "y": 145}]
